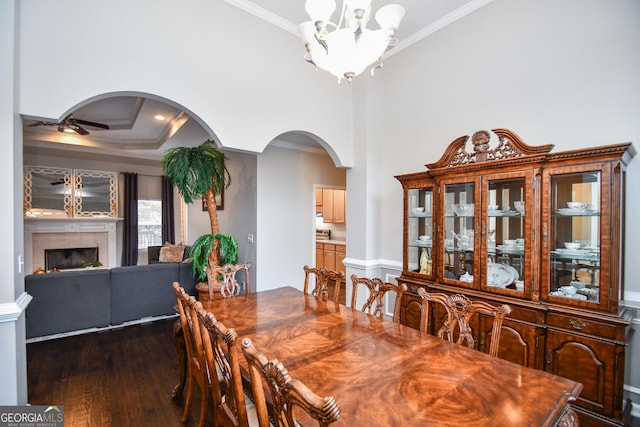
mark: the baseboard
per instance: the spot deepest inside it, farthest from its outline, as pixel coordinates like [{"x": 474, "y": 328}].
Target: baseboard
[
  {"x": 633, "y": 393},
  {"x": 106, "y": 328}
]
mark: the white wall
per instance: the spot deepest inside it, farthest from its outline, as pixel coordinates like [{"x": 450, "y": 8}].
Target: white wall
[
  {"x": 285, "y": 238},
  {"x": 13, "y": 301},
  {"x": 243, "y": 78},
  {"x": 554, "y": 72}
]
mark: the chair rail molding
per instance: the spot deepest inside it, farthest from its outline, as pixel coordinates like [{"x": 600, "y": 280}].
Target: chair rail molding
[{"x": 11, "y": 311}]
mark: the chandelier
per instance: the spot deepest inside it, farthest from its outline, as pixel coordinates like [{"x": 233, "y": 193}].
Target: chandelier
[{"x": 347, "y": 48}]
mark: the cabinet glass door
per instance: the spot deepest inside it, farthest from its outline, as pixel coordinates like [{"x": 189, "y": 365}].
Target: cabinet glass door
[
  {"x": 420, "y": 231},
  {"x": 459, "y": 232},
  {"x": 505, "y": 233},
  {"x": 574, "y": 236}
]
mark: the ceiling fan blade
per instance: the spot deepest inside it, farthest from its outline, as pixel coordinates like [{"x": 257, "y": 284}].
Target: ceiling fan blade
[
  {"x": 41, "y": 124},
  {"x": 79, "y": 130},
  {"x": 92, "y": 124}
]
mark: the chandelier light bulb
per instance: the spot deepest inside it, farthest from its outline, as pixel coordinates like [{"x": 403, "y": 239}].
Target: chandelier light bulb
[{"x": 347, "y": 48}]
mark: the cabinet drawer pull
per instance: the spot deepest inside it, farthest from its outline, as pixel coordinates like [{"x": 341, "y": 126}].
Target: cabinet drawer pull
[{"x": 578, "y": 324}]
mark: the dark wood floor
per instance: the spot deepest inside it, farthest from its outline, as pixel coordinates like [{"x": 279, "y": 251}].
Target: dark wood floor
[{"x": 122, "y": 377}]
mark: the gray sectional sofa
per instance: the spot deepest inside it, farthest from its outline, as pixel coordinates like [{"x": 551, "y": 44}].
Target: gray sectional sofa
[{"x": 69, "y": 301}]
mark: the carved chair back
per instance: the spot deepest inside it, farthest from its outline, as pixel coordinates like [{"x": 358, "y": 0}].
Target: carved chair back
[
  {"x": 226, "y": 278},
  {"x": 222, "y": 353},
  {"x": 322, "y": 278},
  {"x": 459, "y": 311},
  {"x": 376, "y": 291},
  {"x": 287, "y": 394},
  {"x": 196, "y": 364}
]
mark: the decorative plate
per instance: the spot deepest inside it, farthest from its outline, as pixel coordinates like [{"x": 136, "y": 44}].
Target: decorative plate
[{"x": 499, "y": 275}]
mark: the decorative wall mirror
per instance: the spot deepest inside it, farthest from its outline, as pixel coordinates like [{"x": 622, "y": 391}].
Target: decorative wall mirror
[
  {"x": 47, "y": 192},
  {"x": 57, "y": 192},
  {"x": 96, "y": 193}
]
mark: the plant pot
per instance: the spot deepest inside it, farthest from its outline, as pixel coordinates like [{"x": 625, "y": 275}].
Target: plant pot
[{"x": 202, "y": 288}]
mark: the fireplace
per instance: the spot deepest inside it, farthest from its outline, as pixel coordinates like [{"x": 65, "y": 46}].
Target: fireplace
[
  {"x": 67, "y": 258},
  {"x": 41, "y": 234}
]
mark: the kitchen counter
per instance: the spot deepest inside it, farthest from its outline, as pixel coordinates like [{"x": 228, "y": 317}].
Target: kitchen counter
[{"x": 331, "y": 241}]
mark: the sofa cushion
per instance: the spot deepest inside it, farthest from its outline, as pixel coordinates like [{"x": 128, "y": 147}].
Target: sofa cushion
[
  {"x": 153, "y": 254},
  {"x": 171, "y": 253},
  {"x": 68, "y": 301}
]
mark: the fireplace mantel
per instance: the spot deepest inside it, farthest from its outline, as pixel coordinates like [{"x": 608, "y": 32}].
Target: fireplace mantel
[{"x": 68, "y": 226}]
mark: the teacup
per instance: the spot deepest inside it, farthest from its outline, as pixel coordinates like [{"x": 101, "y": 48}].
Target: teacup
[
  {"x": 493, "y": 207},
  {"x": 572, "y": 245},
  {"x": 424, "y": 238}
]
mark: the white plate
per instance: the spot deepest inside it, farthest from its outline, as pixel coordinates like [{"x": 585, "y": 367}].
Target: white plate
[
  {"x": 504, "y": 212},
  {"x": 516, "y": 275},
  {"x": 569, "y": 211},
  {"x": 499, "y": 275}
]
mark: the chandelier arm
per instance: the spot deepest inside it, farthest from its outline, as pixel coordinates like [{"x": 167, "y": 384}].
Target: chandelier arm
[
  {"x": 322, "y": 43},
  {"x": 357, "y": 33},
  {"x": 379, "y": 64},
  {"x": 342, "y": 12}
]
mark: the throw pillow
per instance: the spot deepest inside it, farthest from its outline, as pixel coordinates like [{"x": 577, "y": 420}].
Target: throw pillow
[{"x": 171, "y": 253}]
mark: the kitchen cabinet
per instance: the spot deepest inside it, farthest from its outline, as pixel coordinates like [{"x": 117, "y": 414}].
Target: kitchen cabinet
[
  {"x": 341, "y": 254},
  {"x": 333, "y": 206},
  {"x": 329, "y": 260},
  {"x": 330, "y": 256},
  {"x": 509, "y": 223}
]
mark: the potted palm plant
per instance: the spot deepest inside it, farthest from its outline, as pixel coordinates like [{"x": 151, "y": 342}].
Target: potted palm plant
[{"x": 200, "y": 172}]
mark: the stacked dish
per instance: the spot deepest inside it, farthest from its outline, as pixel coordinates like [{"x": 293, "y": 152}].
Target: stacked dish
[
  {"x": 576, "y": 208},
  {"x": 500, "y": 212},
  {"x": 510, "y": 249}
]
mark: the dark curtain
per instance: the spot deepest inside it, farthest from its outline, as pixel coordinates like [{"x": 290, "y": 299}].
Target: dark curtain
[
  {"x": 168, "y": 224},
  {"x": 130, "y": 238}
]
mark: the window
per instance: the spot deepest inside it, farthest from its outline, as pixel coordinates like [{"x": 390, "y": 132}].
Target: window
[{"x": 149, "y": 223}]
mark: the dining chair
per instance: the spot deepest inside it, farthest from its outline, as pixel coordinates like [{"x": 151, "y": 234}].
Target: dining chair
[
  {"x": 225, "y": 278},
  {"x": 196, "y": 363},
  {"x": 459, "y": 311},
  {"x": 377, "y": 289},
  {"x": 286, "y": 393},
  {"x": 222, "y": 355},
  {"x": 322, "y": 278}
]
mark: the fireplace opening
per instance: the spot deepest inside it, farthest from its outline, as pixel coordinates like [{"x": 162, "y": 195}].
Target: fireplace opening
[{"x": 64, "y": 259}]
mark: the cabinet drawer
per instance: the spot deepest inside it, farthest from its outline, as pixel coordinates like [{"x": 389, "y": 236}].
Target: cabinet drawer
[
  {"x": 341, "y": 250},
  {"x": 329, "y": 247},
  {"x": 582, "y": 325},
  {"x": 319, "y": 246}
]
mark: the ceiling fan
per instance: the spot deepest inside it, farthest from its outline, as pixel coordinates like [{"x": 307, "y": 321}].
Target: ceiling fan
[{"x": 72, "y": 123}]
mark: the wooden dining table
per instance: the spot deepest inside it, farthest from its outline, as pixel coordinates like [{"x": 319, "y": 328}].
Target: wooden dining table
[{"x": 385, "y": 374}]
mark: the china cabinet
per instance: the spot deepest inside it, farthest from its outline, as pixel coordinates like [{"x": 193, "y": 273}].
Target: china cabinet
[{"x": 501, "y": 221}]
